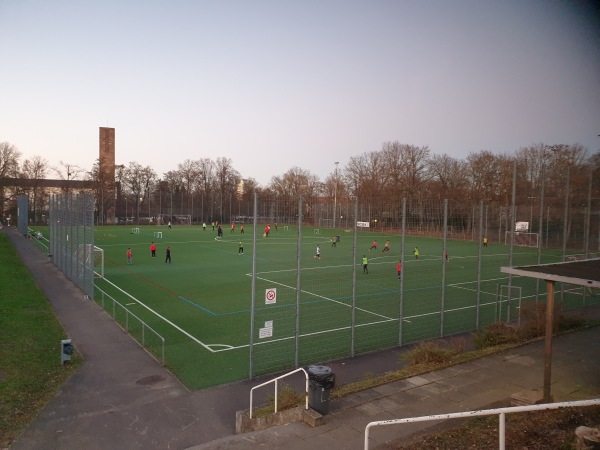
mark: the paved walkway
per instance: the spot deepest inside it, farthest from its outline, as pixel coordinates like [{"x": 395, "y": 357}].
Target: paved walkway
[{"x": 122, "y": 398}]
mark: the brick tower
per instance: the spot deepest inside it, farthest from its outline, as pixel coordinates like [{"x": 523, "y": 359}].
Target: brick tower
[{"x": 107, "y": 174}]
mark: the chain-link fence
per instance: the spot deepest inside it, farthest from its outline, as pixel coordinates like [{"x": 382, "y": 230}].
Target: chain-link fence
[
  {"x": 323, "y": 292},
  {"x": 72, "y": 238}
]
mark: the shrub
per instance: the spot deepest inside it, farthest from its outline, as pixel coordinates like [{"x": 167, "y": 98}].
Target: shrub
[
  {"x": 430, "y": 352},
  {"x": 533, "y": 320},
  {"x": 287, "y": 398},
  {"x": 497, "y": 333}
]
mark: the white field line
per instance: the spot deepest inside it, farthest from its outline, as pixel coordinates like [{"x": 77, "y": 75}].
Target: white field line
[
  {"x": 315, "y": 333},
  {"x": 207, "y": 347},
  {"x": 324, "y": 298}
]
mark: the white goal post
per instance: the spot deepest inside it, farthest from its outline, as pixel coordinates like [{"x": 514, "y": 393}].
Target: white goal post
[
  {"x": 98, "y": 262},
  {"x": 325, "y": 223},
  {"x": 523, "y": 239},
  {"x": 84, "y": 254}
]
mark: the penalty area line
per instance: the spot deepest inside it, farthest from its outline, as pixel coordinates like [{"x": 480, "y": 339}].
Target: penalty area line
[{"x": 161, "y": 317}]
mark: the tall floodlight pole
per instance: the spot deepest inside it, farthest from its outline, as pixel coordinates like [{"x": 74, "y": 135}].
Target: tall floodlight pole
[{"x": 335, "y": 194}]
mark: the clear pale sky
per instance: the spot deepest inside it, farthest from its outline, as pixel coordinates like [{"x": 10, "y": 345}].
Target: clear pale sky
[{"x": 277, "y": 84}]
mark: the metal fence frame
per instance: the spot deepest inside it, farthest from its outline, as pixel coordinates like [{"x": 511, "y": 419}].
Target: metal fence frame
[{"x": 501, "y": 412}]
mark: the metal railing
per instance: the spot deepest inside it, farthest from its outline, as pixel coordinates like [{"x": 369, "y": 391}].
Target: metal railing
[
  {"x": 484, "y": 412},
  {"x": 39, "y": 241},
  {"x": 128, "y": 314},
  {"x": 275, "y": 380}
]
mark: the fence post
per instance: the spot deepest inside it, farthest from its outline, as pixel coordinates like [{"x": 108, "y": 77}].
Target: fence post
[
  {"x": 501, "y": 431},
  {"x": 298, "y": 285},
  {"x": 444, "y": 252}
]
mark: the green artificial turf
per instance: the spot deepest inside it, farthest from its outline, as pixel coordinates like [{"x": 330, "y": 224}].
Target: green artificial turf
[{"x": 201, "y": 303}]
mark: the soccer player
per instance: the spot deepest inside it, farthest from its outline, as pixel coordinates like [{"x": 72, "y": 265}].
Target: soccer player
[
  {"x": 318, "y": 253},
  {"x": 386, "y": 247},
  {"x": 399, "y": 268},
  {"x": 335, "y": 240},
  {"x": 204, "y": 226},
  {"x": 242, "y": 229},
  {"x": 416, "y": 253},
  {"x": 447, "y": 257},
  {"x": 485, "y": 241},
  {"x": 365, "y": 263},
  {"x": 168, "y": 255},
  {"x": 153, "y": 249},
  {"x": 373, "y": 246},
  {"x": 129, "y": 256},
  {"x": 241, "y": 248},
  {"x": 232, "y": 227}
]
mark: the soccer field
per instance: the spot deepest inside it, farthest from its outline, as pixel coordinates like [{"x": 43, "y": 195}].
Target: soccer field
[{"x": 201, "y": 303}]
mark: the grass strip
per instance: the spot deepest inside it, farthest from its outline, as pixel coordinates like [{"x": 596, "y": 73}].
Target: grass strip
[{"x": 30, "y": 366}]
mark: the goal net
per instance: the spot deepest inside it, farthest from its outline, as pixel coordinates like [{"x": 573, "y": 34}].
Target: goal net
[
  {"x": 88, "y": 254},
  {"x": 182, "y": 220},
  {"x": 326, "y": 223},
  {"x": 523, "y": 239},
  {"x": 98, "y": 262}
]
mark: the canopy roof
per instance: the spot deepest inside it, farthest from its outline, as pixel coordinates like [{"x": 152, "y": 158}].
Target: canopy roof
[{"x": 582, "y": 273}]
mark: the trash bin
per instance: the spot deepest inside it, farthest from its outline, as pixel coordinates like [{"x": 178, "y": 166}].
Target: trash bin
[{"x": 321, "y": 380}]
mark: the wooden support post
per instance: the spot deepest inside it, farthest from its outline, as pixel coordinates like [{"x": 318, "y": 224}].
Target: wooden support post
[{"x": 548, "y": 341}]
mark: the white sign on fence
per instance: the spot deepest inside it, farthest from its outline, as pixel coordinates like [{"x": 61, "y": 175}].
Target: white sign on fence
[
  {"x": 267, "y": 331},
  {"x": 522, "y": 227},
  {"x": 362, "y": 224}
]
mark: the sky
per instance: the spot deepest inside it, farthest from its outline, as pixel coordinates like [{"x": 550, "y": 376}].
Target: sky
[{"x": 279, "y": 84}]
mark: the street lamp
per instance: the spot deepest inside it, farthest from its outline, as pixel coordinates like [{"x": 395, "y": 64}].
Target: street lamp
[{"x": 335, "y": 194}]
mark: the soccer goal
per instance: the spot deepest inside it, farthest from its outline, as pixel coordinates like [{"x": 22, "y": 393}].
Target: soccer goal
[
  {"x": 326, "y": 223},
  {"x": 158, "y": 234},
  {"x": 523, "y": 239},
  {"x": 183, "y": 219},
  {"x": 135, "y": 230},
  {"x": 86, "y": 252},
  {"x": 98, "y": 262}
]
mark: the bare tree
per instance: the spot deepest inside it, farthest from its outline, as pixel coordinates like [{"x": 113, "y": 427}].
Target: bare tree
[
  {"x": 414, "y": 164},
  {"x": 485, "y": 177},
  {"x": 294, "y": 183},
  {"x": 206, "y": 183},
  {"x": 35, "y": 170},
  {"x": 189, "y": 171},
  {"x": 66, "y": 171},
  {"x": 227, "y": 179},
  {"x": 449, "y": 177},
  {"x": 9, "y": 168},
  {"x": 363, "y": 175},
  {"x": 139, "y": 180},
  {"x": 104, "y": 193}
]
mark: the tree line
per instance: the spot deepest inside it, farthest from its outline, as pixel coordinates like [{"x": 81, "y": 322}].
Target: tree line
[{"x": 212, "y": 188}]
